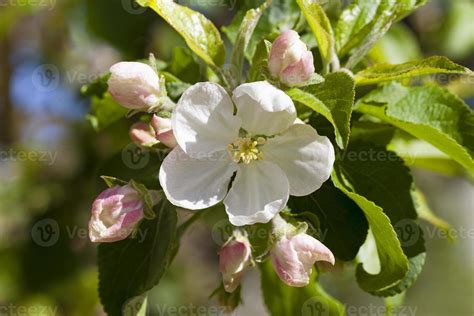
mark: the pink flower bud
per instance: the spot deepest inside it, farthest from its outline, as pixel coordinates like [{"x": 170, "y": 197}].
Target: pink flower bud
[
  {"x": 290, "y": 60},
  {"x": 142, "y": 134},
  {"x": 163, "y": 130},
  {"x": 134, "y": 85},
  {"x": 234, "y": 258},
  {"x": 295, "y": 253},
  {"x": 115, "y": 212}
]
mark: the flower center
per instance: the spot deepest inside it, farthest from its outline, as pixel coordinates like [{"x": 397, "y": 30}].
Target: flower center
[{"x": 245, "y": 149}]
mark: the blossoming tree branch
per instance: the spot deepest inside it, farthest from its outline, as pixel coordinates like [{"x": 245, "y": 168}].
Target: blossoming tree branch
[{"x": 298, "y": 130}]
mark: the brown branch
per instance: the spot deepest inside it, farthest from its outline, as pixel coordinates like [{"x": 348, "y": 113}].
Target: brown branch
[{"x": 6, "y": 108}]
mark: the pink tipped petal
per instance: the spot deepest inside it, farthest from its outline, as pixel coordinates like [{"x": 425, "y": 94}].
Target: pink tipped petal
[
  {"x": 290, "y": 60},
  {"x": 287, "y": 264},
  {"x": 163, "y": 131},
  {"x": 298, "y": 72},
  {"x": 311, "y": 250},
  {"x": 293, "y": 258},
  {"x": 115, "y": 212},
  {"x": 134, "y": 85},
  {"x": 142, "y": 134},
  {"x": 234, "y": 258},
  {"x": 279, "y": 49},
  {"x": 168, "y": 139}
]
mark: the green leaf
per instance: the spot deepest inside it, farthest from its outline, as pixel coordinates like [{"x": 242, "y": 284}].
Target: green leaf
[
  {"x": 415, "y": 266},
  {"x": 399, "y": 45},
  {"x": 259, "y": 236},
  {"x": 387, "y": 72},
  {"x": 98, "y": 87},
  {"x": 259, "y": 66},
  {"x": 381, "y": 177},
  {"x": 244, "y": 35},
  {"x": 280, "y": 15},
  {"x": 284, "y": 300},
  {"x": 364, "y": 22},
  {"x": 184, "y": 66},
  {"x": 134, "y": 163},
  {"x": 432, "y": 114},
  {"x": 105, "y": 111},
  {"x": 372, "y": 132},
  {"x": 425, "y": 213},
  {"x": 198, "y": 32},
  {"x": 420, "y": 154},
  {"x": 341, "y": 223},
  {"x": 174, "y": 86},
  {"x": 333, "y": 99},
  {"x": 321, "y": 27},
  {"x": 131, "y": 267},
  {"x": 393, "y": 262}
]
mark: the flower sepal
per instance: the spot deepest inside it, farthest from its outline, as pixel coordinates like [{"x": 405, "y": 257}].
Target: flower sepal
[
  {"x": 313, "y": 80},
  {"x": 288, "y": 228},
  {"x": 112, "y": 181},
  {"x": 150, "y": 197}
]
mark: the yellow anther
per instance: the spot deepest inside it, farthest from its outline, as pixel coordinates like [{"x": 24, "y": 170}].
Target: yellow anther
[{"x": 245, "y": 149}]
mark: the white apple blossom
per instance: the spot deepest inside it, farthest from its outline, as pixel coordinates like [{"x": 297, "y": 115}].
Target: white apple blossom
[{"x": 271, "y": 156}]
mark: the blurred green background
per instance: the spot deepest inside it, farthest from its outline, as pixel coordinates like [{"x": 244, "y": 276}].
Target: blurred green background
[{"x": 50, "y": 161}]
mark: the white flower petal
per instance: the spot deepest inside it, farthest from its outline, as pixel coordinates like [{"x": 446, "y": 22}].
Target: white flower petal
[
  {"x": 264, "y": 109},
  {"x": 305, "y": 157},
  {"x": 260, "y": 190},
  {"x": 196, "y": 183},
  {"x": 203, "y": 121}
]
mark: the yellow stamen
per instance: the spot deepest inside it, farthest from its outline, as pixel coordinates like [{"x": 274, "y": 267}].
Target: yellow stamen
[{"x": 246, "y": 149}]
